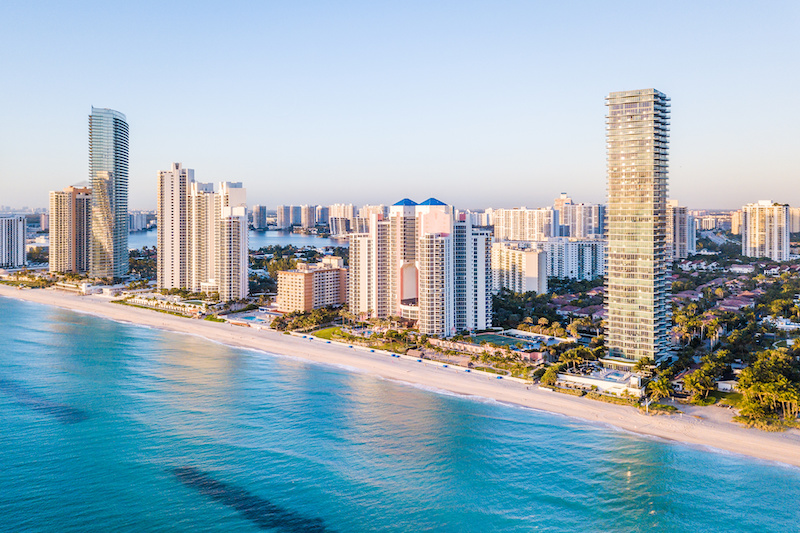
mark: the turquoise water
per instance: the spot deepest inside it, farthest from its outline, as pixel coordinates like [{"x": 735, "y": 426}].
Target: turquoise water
[{"x": 113, "y": 427}]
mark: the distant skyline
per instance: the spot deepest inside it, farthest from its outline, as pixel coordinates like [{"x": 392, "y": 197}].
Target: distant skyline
[{"x": 481, "y": 105}]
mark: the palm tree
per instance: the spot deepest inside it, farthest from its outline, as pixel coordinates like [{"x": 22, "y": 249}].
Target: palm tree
[
  {"x": 572, "y": 357},
  {"x": 572, "y": 328},
  {"x": 644, "y": 366},
  {"x": 660, "y": 388}
]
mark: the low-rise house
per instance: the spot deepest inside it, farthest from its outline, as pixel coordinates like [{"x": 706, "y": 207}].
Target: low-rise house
[
  {"x": 728, "y": 385},
  {"x": 742, "y": 269},
  {"x": 567, "y": 310},
  {"x": 692, "y": 295},
  {"x": 734, "y": 304},
  {"x": 605, "y": 381}
]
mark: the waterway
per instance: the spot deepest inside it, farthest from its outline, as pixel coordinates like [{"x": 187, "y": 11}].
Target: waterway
[{"x": 256, "y": 239}]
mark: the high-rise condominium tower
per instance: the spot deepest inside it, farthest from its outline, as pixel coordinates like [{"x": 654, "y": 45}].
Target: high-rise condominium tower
[
  {"x": 108, "y": 175},
  {"x": 425, "y": 264},
  {"x": 12, "y": 241},
  {"x": 766, "y": 230},
  {"x": 202, "y": 235},
  {"x": 172, "y": 226},
  {"x": 70, "y": 228},
  {"x": 637, "y": 312}
]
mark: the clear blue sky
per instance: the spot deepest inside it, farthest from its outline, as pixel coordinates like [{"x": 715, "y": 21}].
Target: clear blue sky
[{"x": 477, "y": 103}]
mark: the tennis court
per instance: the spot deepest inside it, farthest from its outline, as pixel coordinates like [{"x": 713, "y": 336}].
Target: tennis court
[{"x": 501, "y": 340}]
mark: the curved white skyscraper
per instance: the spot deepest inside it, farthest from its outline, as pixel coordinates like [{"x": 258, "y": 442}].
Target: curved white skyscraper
[{"x": 108, "y": 175}]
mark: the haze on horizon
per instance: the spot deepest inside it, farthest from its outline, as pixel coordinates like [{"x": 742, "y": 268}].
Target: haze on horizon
[{"x": 483, "y": 104}]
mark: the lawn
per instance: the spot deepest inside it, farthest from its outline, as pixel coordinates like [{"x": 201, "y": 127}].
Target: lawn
[
  {"x": 493, "y": 370},
  {"x": 726, "y": 398},
  {"x": 397, "y": 347},
  {"x": 327, "y": 333}
]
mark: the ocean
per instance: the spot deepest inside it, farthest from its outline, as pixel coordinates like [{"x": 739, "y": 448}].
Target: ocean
[{"x": 114, "y": 427}]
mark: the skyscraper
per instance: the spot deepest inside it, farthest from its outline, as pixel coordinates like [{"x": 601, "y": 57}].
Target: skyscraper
[
  {"x": 12, "y": 241},
  {"x": 108, "y": 175},
  {"x": 523, "y": 224},
  {"x": 172, "y": 226},
  {"x": 766, "y": 230},
  {"x": 202, "y": 235},
  {"x": 424, "y": 265},
  {"x": 637, "y": 312},
  {"x": 201, "y": 238},
  {"x": 680, "y": 232},
  {"x": 231, "y": 246},
  {"x": 70, "y": 228},
  {"x": 259, "y": 217}
]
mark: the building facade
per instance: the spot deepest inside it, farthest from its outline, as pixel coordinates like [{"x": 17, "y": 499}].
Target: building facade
[
  {"x": 259, "y": 217},
  {"x": 308, "y": 216},
  {"x": 573, "y": 258},
  {"x": 636, "y": 288},
  {"x": 202, "y": 235},
  {"x": 231, "y": 277},
  {"x": 523, "y": 224},
  {"x": 172, "y": 227},
  {"x": 284, "y": 217},
  {"x": 794, "y": 220},
  {"x": 201, "y": 238},
  {"x": 70, "y": 229},
  {"x": 424, "y": 265},
  {"x": 765, "y": 230},
  {"x": 681, "y": 232},
  {"x": 582, "y": 221},
  {"x": 108, "y": 175},
  {"x": 12, "y": 241},
  {"x": 518, "y": 268},
  {"x": 312, "y": 286}
]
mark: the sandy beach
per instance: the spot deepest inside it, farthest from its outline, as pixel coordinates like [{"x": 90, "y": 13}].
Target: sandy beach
[{"x": 702, "y": 426}]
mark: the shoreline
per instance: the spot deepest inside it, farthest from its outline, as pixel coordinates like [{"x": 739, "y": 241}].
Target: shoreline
[{"x": 707, "y": 427}]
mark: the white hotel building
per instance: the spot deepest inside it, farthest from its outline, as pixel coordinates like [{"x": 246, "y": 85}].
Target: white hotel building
[
  {"x": 765, "y": 230},
  {"x": 523, "y": 266},
  {"x": 518, "y": 267},
  {"x": 202, "y": 235},
  {"x": 422, "y": 264},
  {"x": 523, "y": 224},
  {"x": 12, "y": 241}
]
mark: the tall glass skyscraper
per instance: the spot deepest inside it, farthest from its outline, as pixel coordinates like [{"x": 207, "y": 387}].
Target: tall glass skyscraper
[
  {"x": 108, "y": 174},
  {"x": 637, "y": 309}
]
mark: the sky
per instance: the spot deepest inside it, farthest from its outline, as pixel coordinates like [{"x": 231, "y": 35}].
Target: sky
[{"x": 480, "y": 104}]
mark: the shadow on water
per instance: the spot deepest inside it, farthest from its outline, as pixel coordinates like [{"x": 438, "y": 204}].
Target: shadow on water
[
  {"x": 62, "y": 413},
  {"x": 261, "y": 512}
]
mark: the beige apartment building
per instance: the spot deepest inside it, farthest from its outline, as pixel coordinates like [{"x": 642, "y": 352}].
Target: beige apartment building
[
  {"x": 312, "y": 286},
  {"x": 70, "y": 230}
]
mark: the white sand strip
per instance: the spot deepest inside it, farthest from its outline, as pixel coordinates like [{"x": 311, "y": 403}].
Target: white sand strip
[{"x": 702, "y": 426}]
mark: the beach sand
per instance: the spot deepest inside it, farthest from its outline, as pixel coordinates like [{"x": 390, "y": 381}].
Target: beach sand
[{"x": 702, "y": 426}]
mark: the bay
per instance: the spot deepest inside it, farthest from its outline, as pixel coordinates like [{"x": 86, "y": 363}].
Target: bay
[{"x": 256, "y": 239}]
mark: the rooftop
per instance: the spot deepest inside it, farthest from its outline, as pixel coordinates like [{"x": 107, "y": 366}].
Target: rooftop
[
  {"x": 432, "y": 201},
  {"x": 406, "y": 202}
]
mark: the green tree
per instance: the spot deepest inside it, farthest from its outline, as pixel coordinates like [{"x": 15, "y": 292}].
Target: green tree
[
  {"x": 699, "y": 383},
  {"x": 644, "y": 366},
  {"x": 659, "y": 388}
]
